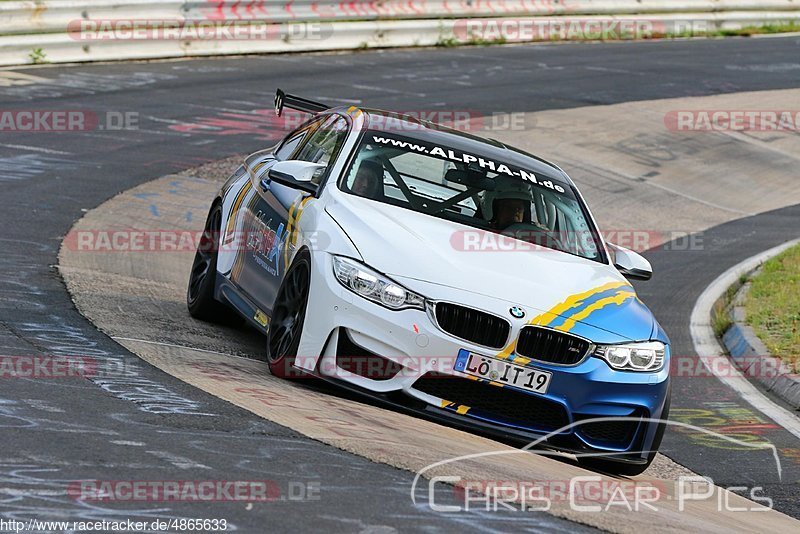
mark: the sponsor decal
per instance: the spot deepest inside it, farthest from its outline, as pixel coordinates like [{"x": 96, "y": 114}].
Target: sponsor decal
[
  {"x": 266, "y": 242},
  {"x": 485, "y": 164},
  {"x": 261, "y": 318}
]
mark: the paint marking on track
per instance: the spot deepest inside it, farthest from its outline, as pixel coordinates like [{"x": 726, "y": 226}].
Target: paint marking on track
[
  {"x": 180, "y": 462},
  {"x": 126, "y": 442},
  {"x": 37, "y": 149},
  {"x": 22, "y": 492},
  {"x": 10, "y": 78},
  {"x": 163, "y": 120},
  {"x": 708, "y": 348}
]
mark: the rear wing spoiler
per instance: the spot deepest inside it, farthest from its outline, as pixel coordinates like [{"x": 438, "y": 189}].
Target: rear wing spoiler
[{"x": 283, "y": 100}]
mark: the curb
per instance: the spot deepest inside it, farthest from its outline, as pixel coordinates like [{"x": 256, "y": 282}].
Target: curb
[
  {"x": 709, "y": 347},
  {"x": 752, "y": 357}
]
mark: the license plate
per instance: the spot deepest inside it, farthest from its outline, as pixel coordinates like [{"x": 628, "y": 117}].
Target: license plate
[{"x": 503, "y": 372}]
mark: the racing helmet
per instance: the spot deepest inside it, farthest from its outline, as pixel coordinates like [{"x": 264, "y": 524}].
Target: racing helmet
[{"x": 506, "y": 189}]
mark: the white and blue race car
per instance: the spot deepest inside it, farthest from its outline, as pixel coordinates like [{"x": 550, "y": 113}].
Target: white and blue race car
[{"x": 444, "y": 273}]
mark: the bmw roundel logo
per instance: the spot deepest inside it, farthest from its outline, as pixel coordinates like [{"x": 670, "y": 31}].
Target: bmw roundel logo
[{"x": 517, "y": 312}]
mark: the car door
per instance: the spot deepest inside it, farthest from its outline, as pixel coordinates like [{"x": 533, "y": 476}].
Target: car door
[{"x": 273, "y": 208}]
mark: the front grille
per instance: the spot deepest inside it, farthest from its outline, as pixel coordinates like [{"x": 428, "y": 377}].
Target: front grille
[
  {"x": 359, "y": 361},
  {"x": 551, "y": 346},
  {"x": 472, "y": 325},
  {"x": 614, "y": 433},
  {"x": 500, "y": 403}
]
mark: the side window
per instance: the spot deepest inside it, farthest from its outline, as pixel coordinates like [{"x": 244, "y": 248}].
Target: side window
[
  {"x": 325, "y": 143},
  {"x": 294, "y": 140}
]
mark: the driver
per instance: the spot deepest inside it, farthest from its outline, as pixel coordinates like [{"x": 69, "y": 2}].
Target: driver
[
  {"x": 368, "y": 181},
  {"x": 508, "y": 211},
  {"x": 506, "y": 206}
]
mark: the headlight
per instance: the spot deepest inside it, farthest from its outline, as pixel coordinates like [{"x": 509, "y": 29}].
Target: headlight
[
  {"x": 633, "y": 356},
  {"x": 373, "y": 286}
]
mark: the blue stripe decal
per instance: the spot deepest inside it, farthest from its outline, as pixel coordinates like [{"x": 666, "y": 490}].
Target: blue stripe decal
[{"x": 585, "y": 304}]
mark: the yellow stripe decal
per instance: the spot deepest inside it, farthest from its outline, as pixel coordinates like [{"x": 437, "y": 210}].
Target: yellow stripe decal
[
  {"x": 297, "y": 215},
  {"x": 618, "y": 299},
  {"x": 508, "y": 350},
  {"x": 236, "y": 203},
  {"x": 574, "y": 301},
  {"x": 521, "y": 360},
  {"x": 295, "y": 211},
  {"x": 241, "y": 247},
  {"x": 462, "y": 409},
  {"x": 289, "y": 225}
]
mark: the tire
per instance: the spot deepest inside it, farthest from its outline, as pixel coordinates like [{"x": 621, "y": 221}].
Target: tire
[
  {"x": 203, "y": 276},
  {"x": 598, "y": 463},
  {"x": 288, "y": 317}
]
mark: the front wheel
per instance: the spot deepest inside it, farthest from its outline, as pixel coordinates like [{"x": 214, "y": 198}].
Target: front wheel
[
  {"x": 288, "y": 317},
  {"x": 202, "y": 279}
]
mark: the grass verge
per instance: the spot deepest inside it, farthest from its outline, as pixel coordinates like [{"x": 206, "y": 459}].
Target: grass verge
[{"x": 773, "y": 305}]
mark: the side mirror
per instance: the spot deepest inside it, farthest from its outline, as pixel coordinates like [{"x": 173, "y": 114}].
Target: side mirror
[
  {"x": 629, "y": 263},
  {"x": 302, "y": 175}
]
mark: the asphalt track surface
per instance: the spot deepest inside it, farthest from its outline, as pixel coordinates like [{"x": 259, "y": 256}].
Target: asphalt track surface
[{"x": 57, "y": 431}]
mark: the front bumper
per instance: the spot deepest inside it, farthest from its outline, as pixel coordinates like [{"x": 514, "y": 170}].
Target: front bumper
[{"x": 420, "y": 357}]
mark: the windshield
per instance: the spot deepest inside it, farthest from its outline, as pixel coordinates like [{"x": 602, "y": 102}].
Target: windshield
[{"x": 473, "y": 190}]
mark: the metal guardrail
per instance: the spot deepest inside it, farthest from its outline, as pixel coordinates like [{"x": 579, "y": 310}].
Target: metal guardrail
[
  {"x": 54, "y": 16},
  {"x": 69, "y": 31}
]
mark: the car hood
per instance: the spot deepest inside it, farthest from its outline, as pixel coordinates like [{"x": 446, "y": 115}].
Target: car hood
[{"x": 556, "y": 289}]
